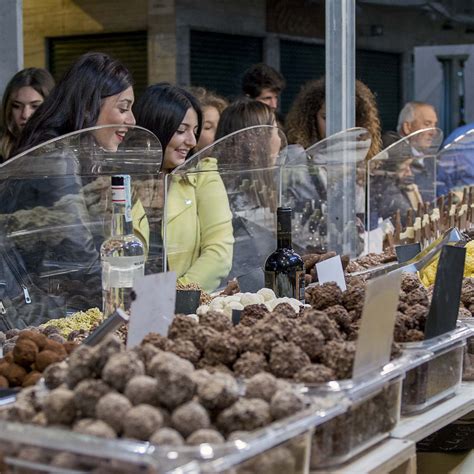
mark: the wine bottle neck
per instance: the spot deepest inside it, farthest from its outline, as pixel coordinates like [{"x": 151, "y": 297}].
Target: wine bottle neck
[
  {"x": 284, "y": 229},
  {"x": 284, "y": 240},
  {"x": 120, "y": 224},
  {"x": 121, "y": 206}
]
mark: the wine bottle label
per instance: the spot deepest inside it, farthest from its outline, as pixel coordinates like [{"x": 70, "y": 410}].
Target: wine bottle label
[
  {"x": 286, "y": 284},
  {"x": 121, "y": 272},
  {"x": 121, "y": 194}
]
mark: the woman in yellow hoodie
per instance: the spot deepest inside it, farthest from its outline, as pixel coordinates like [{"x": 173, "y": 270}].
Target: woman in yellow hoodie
[{"x": 199, "y": 235}]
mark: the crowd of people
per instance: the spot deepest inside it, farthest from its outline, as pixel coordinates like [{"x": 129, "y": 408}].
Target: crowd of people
[{"x": 97, "y": 90}]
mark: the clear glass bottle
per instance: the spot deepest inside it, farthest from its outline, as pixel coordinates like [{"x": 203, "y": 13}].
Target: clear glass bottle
[
  {"x": 122, "y": 254},
  {"x": 284, "y": 268}
]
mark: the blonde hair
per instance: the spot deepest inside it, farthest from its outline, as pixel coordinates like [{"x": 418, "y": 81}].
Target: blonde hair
[{"x": 209, "y": 99}]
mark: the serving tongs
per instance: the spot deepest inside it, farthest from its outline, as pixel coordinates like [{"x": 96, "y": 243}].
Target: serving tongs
[{"x": 451, "y": 237}]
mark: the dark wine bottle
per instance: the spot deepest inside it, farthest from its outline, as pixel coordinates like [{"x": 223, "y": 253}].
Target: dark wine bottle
[{"x": 284, "y": 268}]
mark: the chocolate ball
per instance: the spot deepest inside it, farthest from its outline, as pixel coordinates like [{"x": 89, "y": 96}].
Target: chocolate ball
[
  {"x": 190, "y": 417},
  {"x": 339, "y": 356},
  {"x": 221, "y": 349},
  {"x": 120, "y": 368},
  {"x": 310, "y": 339},
  {"x": 286, "y": 359},
  {"x": 156, "y": 340},
  {"x": 249, "y": 364},
  {"x": 112, "y": 409},
  {"x": 314, "y": 373},
  {"x": 59, "y": 407},
  {"x": 205, "y": 436},
  {"x": 141, "y": 422},
  {"x": 142, "y": 389},
  {"x": 185, "y": 349},
  {"x": 45, "y": 358},
  {"x": 245, "y": 414},
  {"x": 55, "y": 374},
  {"x": 219, "y": 392},
  {"x": 174, "y": 376},
  {"x": 263, "y": 385},
  {"x": 92, "y": 427},
  {"x": 253, "y": 313},
  {"x": 25, "y": 352},
  {"x": 87, "y": 394},
  {"x": 82, "y": 365},
  {"x": 182, "y": 327},
  {"x": 21, "y": 411},
  {"x": 286, "y": 403},
  {"x": 216, "y": 320},
  {"x": 39, "y": 339},
  {"x": 31, "y": 379},
  {"x": 167, "y": 437},
  {"x": 322, "y": 296}
]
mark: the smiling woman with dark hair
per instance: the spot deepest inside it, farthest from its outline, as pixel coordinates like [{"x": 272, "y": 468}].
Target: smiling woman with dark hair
[{"x": 199, "y": 221}]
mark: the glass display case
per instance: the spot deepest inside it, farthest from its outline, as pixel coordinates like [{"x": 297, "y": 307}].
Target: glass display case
[
  {"x": 220, "y": 218},
  {"x": 55, "y": 212},
  {"x": 325, "y": 185},
  {"x": 401, "y": 183}
]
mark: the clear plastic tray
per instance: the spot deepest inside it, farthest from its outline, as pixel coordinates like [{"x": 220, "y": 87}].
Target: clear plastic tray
[
  {"x": 438, "y": 377},
  {"x": 37, "y": 449},
  {"x": 468, "y": 362}
]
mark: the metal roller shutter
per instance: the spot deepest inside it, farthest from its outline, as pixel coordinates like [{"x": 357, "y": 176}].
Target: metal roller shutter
[
  {"x": 218, "y": 60},
  {"x": 128, "y": 47}
]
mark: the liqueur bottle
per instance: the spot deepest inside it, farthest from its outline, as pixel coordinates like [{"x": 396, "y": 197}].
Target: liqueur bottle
[
  {"x": 122, "y": 254},
  {"x": 284, "y": 268}
]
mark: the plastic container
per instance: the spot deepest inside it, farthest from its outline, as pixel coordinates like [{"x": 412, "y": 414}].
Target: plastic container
[
  {"x": 38, "y": 449},
  {"x": 438, "y": 377},
  {"x": 373, "y": 412},
  {"x": 468, "y": 362}
]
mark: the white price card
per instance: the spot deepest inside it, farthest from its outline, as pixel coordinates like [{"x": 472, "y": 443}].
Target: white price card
[
  {"x": 331, "y": 270},
  {"x": 375, "y": 339},
  {"x": 153, "y": 308}
]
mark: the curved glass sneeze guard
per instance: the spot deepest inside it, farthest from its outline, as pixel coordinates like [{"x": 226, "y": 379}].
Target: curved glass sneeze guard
[
  {"x": 221, "y": 208},
  {"x": 55, "y": 212},
  {"x": 455, "y": 165},
  {"x": 325, "y": 185},
  {"x": 403, "y": 178}
]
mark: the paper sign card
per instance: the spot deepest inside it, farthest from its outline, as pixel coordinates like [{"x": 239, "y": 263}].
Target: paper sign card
[
  {"x": 375, "y": 339},
  {"x": 153, "y": 308},
  {"x": 444, "y": 307},
  {"x": 331, "y": 270}
]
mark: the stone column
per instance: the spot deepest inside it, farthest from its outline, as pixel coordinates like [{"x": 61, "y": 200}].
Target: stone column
[
  {"x": 11, "y": 40},
  {"x": 162, "y": 49}
]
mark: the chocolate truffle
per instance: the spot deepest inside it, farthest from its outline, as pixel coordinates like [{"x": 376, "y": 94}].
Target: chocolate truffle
[
  {"x": 286, "y": 359},
  {"x": 21, "y": 411},
  {"x": 414, "y": 335},
  {"x": 46, "y": 358},
  {"x": 263, "y": 385},
  {"x": 120, "y": 368},
  {"x": 286, "y": 403},
  {"x": 189, "y": 418},
  {"x": 174, "y": 376},
  {"x": 3, "y": 382},
  {"x": 262, "y": 338},
  {"x": 39, "y": 339},
  {"x": 167, "y": 437},
  {"x": 464, "y": 313},
  {"x": 185, "y": 349},
  {"x": 59, "y": 407},
  {"x": 410, "y": 282},
  {"x": 205, "y": 436},
  {"x": 216, "y": 320},
  {"x": 310, "y": 339},
  {"x": 286, "y": 310},
  {"x": 253, "y": 313},
  {"x": 182, "y": 327},
  {"x": 146, "y": 352},
  {"x": 82, "y": 365},
  {"x": 25, "y": 352},
  {"x": 339, "y": 314},
  {"x": 86, "y": 395},
  {"x": 250, "y": 363},
  {"x": 314, "y": 373},
  {"x": 141, "y": 422},
  {"x": 418, "y": 296},
  {"x": 110, "y": 346},
  {"x": 54, "y": 346},
  {"x": 321, "y": 321},
  {"x": 55, "y": 374},
  {"x": 156, "y": 340},
  {"x": 417, "y": 314},
  {"x": 339, "y": 356},
  {"x": 353, "y": 297},
  {"x": 15, "y": 374},
  {"x": 112, "y": 409},
  {"x": 222, "y": 349},
  {"x": 200, "y": 336},
  {"x": 142, "y": 389},
  {"x": 219, "y": 392},
  {"x": 32, "y": 379},
  {"x": 322, "y": 296},
  {"x": 92, "y": 427},
  {"x": 246, "y": 414}
]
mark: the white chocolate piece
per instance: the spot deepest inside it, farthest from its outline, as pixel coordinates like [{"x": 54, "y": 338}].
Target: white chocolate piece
[
  {"x": 203, "y": 309},
  {"x": 267, "y": 294},
  {"x": 232, "y": 305}
]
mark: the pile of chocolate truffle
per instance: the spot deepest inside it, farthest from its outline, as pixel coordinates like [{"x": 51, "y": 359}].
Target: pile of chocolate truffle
[
  {"x": 28, "y": 353},
  {"x": 152, "y": 395}
]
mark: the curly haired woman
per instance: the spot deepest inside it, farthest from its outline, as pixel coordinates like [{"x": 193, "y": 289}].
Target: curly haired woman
[{"x": 306, "y": 121}]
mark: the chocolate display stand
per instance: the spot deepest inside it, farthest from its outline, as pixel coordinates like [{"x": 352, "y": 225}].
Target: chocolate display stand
[
  {"x": 376, "y": 332},
  {"x": 109, "y": 326},
  {"x": 444, "y": 307},
  {"x": 187, "y": 301},
  {"x": 407, "y": 252}
]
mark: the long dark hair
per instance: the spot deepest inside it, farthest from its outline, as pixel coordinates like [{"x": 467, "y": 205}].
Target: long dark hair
[
  {"x": 75, "y": 102},
  {"x": 161, "y": 109},
  {"x": 38, "y": 79}
]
